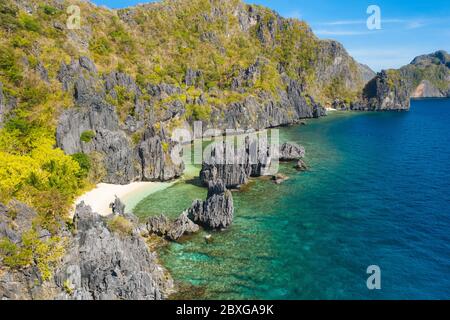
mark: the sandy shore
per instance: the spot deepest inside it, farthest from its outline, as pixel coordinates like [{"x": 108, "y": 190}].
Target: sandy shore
[{"x": 100, "y": 198}]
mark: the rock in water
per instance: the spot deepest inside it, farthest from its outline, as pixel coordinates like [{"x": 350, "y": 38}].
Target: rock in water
[
  {"x": 217, "y": 211},
  {"x": 159, "y": 225},
  {"x": 234, "y": 166},
  {"x": 301, "y": 165},
  {"x": 183, "y": 225},
  {"x": 228, "y": 164},
  {"x": 291, "y": 151},
  {"x": 280, "y": 178},
  {"x": 101, "y": 265},
  {"x": 173, "y": 231}
]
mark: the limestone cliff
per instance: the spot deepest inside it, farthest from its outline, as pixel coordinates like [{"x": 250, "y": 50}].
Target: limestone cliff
[{"x": 427, "y": 76}]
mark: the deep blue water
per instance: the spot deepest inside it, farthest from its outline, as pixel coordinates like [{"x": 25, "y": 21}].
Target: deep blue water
[{"x": 378, "y": 193}]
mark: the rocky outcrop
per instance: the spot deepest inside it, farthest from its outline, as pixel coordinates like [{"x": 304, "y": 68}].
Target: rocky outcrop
[
  {"x": 7, "y": 103},
  {"x": 290, "y": 152},
  {"x": 301, "y": 165},
  {"x": 108, "y": 140},
  {"x": 155, "y": 155},
  {"x": 367, "y": 74},
  {"x": 99, "y": 264},
  {"x": 235, "y": 165},
  {"x": 217, "y": 212},
  {"x": 124, "y": 162},
  {"x": 427, "y": 90},
  {"x": 194, "y": 78},
  {"x": 117, "y": 207},
  {"x": 172, "y": 230},
  {"x": 229, "y": 164},
  {"x": 387, "y": 91},
  {"x": 26, "y": 283},
  {"x": 427, "y": 76},
  {"x": 102, "y": 265},
  {"x": 335, "y": 64}
]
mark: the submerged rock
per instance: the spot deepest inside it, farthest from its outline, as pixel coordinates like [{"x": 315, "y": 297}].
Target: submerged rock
[
  {"x": 280, "y": 178},
  {"x": 217, "y": 212},
  {"x": 301, "y": 165}
]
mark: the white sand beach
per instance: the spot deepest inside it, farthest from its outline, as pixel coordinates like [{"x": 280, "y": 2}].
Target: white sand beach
[{"x": 104, "y": 194}]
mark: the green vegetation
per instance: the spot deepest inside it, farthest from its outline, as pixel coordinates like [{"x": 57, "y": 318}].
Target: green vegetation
[
  {"x": 45, "y": 254},
  {"x": 68, "y": 288},
  {"x": 337, "y": 90},
  {"x": 100, "y": 46},
  {"x": 393, "y": 78},
  {"x": 87, "y": 136},
  {"x": 29, "y": 23},
  {"x": 120, "y": 225},
  {"x": 84, "y": 162}
]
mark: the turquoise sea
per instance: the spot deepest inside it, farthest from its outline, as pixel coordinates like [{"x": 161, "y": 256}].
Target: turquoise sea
[{"x": 378, "y": 193}]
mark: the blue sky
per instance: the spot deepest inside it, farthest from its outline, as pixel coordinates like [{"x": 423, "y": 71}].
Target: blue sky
[{"x": 409, "y": 27}]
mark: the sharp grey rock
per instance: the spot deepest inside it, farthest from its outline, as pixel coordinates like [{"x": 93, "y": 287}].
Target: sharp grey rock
[
  {"x": 217, "y": 212},
  {"x": 172, "y": 230},
  {"x": 101, "y": 119},
  {"x": 163, "y": 90},
  {"x": 291, "y": 151},
  {"x": 386, "y": 91},
  {"x": 155, "y": 156},
  {"x": 194, "y": 78},
  {"x": 15, "y": 220},
  {"x": 69, "y": 73},
  {"x": 101, "y": 265},
  {"x": 115, "y": 78},
  {"x": 42, "y": 71},
  {"x": 158, "y": 225},
  {"x": 118, "y": 207},
  {"x": 7, "y": 103},
  {"x": 181, "y": 226},
  {"x": 301, "y": 165},
  {"x": 266, "y": 112},
  {"x": 227, "y": 164},
  {"x": 247, "y": 77},
  {"x": 234, "y": 166},
  {"x": 87, "y": 64},
  {"x": 118, "y": 156}
]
